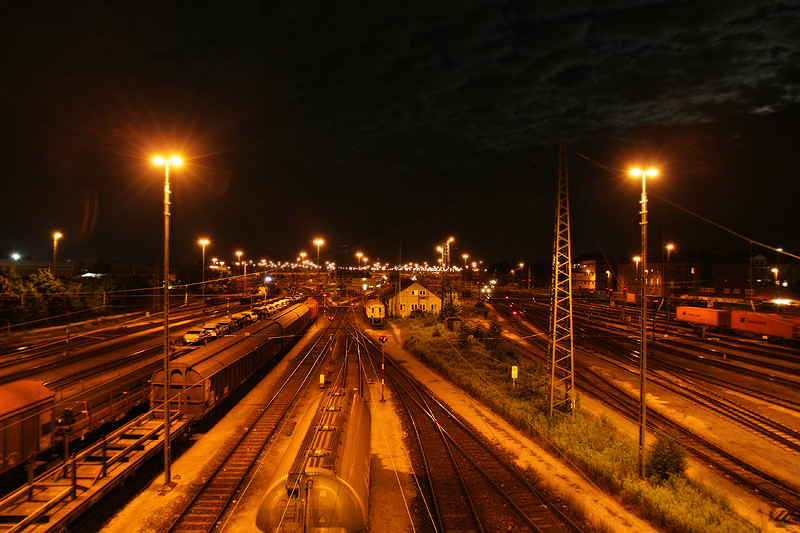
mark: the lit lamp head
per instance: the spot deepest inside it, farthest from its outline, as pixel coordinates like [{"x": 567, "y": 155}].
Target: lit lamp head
[
  {"x": 174, "y": 161},
  {"x": 649, "y": 173},
  {"x": 57, "y": 235}
]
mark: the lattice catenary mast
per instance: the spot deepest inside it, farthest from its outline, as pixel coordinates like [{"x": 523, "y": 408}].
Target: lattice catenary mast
[{"x": 561, "y": 376}]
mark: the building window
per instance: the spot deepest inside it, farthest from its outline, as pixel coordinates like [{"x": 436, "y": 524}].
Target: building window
[
  {"x": 422, "y": 293},
  {"x": 402, "y": 307},
  {"x": 413, "y": 307},
  {"x": 413, "y": 293},
  {"x": 724, "y": 291},
  {"x": 737, "y": 291},
  {"x": 422, "y": 307}
]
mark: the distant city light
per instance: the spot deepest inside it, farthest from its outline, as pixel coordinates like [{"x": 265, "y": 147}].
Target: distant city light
[{"x": 15, "y": 256}]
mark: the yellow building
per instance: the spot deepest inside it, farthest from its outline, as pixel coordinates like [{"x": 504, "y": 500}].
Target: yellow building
[{"x": 414, "y": 297}]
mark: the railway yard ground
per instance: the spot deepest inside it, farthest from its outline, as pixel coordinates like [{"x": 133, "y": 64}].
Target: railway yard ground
[
  {"x": 148, "y": 505},
  {"x": 392, "y": 488}
]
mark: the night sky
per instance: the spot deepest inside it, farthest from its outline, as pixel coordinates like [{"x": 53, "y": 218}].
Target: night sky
[{"x": 388, "y": 127}]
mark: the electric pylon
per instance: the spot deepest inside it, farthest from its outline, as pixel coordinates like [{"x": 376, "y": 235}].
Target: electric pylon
[{"x": 561, "y": 374}]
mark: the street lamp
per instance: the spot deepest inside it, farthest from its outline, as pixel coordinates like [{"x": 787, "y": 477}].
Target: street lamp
[
  {"x": 775, "y": 271},
  {"x": 464, "y": 278},
  {"x": 318, "y": 242},
  {"x": 359, "y": 255},
  {"x": 644, "y": 174},
  {"x": 57, "y": 235},
  {"x": 670, "y": 247},
  {"x": 244, "y": 269},
  {"x": 175, "y": 161},
  {"x": 203, "y": 243}
]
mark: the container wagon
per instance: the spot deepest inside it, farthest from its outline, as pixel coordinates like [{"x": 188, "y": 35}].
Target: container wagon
[
  {"x": 703, "y": 316},
  {"x": 765, "y": 325}
]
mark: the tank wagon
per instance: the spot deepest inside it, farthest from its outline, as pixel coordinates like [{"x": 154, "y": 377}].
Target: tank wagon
[
  {"x": 200, "y": 379},
  {"x": 322, "y": 482},
  {"x": 767, "y": 325},
  {"x": 26, "y": 421}
]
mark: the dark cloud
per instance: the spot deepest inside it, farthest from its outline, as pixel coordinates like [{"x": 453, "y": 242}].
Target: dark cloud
[{"x": 327, "y": 117}]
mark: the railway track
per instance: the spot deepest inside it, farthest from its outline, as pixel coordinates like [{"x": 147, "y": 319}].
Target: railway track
[
  {"x": 211, "y": 500},
  {"x": 467, "y": 485},
  {"x": 780, "y": 493}
]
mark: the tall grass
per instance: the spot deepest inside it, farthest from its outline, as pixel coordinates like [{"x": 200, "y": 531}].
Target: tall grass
[{"x": 594, "y": 444}]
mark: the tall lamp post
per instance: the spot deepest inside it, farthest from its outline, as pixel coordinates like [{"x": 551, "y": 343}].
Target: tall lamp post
[
  {"x": 239, "y": 261},
  {"x": 57, "y": 235},
  {"x": 644, "y": 174},
  {"x": 670, "y": 247},
  {"x": 203, "y": 243},
  {"x": 318, "y": 242},
  {"x": 176, "y": 161},
  {"x": 464, "y": 257}
]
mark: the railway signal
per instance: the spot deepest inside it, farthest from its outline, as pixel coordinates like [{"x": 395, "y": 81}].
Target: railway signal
[{"x": 383, "y": 339}]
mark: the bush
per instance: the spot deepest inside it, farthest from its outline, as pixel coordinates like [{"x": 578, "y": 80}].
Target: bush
[
  {"x": 666, "y": 459},
  {"x": 494, "y": 335},
  {"x": 463, "y": 336}
]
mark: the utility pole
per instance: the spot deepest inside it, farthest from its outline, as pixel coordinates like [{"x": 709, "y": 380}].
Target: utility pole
[{"x": 561, "y": 375}]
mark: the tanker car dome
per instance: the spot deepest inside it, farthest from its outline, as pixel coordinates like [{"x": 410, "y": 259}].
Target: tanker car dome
[{"x": 322, "y": 482}]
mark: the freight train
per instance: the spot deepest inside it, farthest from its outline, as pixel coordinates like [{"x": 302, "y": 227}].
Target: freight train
[
  {"x": 749, "y": 323},
  {"x": 33, "y": 418},
  {"x": 322, "y": 482},
  {"x": 202, "y": 378}
]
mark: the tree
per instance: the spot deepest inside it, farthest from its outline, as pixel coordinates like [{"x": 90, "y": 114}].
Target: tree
[{"x": 494, "y": 336}]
